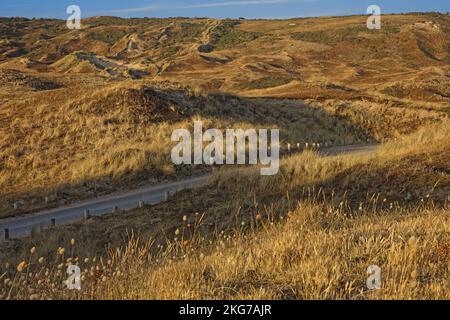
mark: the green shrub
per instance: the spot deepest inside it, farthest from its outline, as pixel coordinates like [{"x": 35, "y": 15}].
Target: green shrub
[
  {"x": 345, "y": 34},
  {"x": 108, "y": 36},
  {"x": 267, "y": 82},
  {"x": 225, "y": 36}
]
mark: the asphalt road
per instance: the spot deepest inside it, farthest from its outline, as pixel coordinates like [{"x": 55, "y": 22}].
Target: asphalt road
[
  {"x": 23, "y": 225},
  {"x": 351, "y": 149}
]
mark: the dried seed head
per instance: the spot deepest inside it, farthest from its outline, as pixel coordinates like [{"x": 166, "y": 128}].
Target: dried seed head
[{"x": 21, "y": 266}]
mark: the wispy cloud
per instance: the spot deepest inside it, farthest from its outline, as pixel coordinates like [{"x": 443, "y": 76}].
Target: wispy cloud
[
  {"x": 137, "y": 10},
  {"x": 156, "y": 7},
  {"x": 231, "y": 3}
]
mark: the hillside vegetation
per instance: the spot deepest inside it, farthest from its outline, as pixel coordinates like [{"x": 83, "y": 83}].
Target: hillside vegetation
[
  {"x": 322, "y": 58},
  {"x": 93, "y": 109},
  {"x": 310, "y": 232},
  {"x": 90, "y": 112}
]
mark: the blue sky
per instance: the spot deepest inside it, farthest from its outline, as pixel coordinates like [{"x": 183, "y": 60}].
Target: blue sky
[{"x": 214, "y": 8}]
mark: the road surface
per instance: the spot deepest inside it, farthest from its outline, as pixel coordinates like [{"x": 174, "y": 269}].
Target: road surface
[
  {"x": 23, "y": 225},
  {"x": 351, "y": 149}
]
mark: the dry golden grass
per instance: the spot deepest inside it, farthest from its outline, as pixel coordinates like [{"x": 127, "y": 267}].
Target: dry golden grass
[
  {"x": 76, "y": 143},
  {"x": 430, "y": 145},
  {"x": 95, "y": 135},
  {"x": 70, "y": 130},
  {"x": 278, "y": 238},
  {"x": 315, "y": 252}
]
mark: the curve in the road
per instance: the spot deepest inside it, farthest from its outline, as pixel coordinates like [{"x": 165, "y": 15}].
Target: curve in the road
[{"x": 22, "y": 226}]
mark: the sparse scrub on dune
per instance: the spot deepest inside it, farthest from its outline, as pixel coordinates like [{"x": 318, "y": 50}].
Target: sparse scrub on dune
[
  {"x": 432, "y": 136},
  {"x": 331, "y": 37},
  {"x": 226, "y": 36},
  {"x": 79, "y": 144},
  {"x": 420, "y": 158},
  {"x": 108, "y": 36},
  {"x": 382, "y": 121},
  {"x": 184, "y": 33},
  {"x": 19, "y": 79},
  {"x": 94, "y": 127}
]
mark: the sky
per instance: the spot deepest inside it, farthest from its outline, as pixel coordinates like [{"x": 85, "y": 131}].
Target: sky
[{"x": 272, "y": 9}]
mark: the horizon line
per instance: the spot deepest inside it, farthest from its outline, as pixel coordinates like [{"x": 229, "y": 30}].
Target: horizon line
[{"x": 229, "y": 18}]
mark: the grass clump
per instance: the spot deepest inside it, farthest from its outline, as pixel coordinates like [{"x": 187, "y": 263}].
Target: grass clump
[
  {"x": 256, "y": 238},
  {"x": 110, "y": 36},
  {"x": 315, "y": 252},
  {"x": 266, "y": 82},
  {"x": 226, "y": 36}
]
